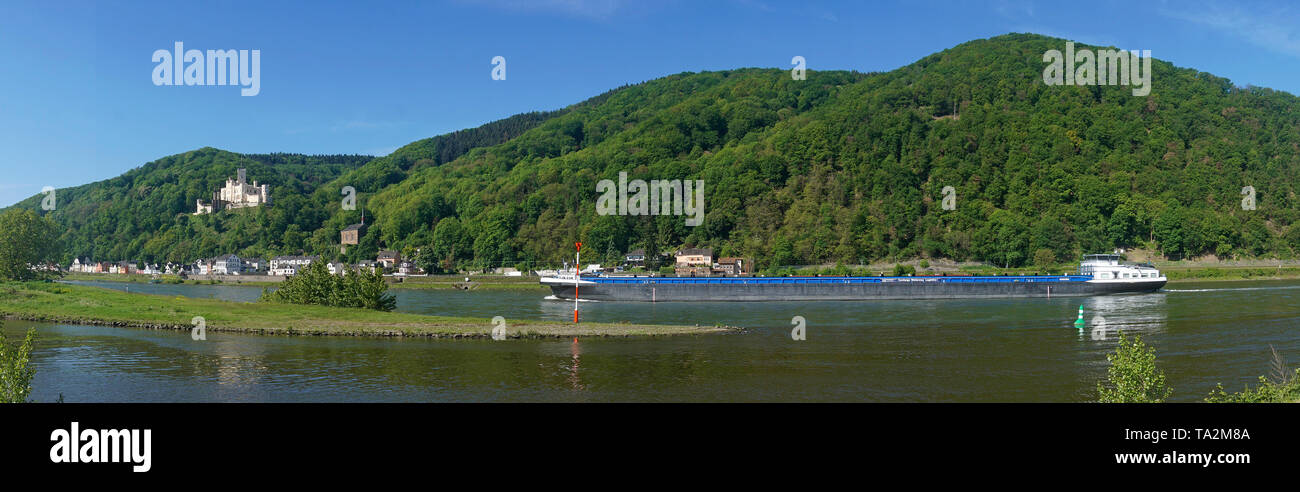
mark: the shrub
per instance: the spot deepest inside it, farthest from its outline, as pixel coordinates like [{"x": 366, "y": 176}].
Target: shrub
[
  {"x": 316, "y": 285},
  {"x": 904, "y": 270},
  {"x": 16, "y": 371},
  {"x": 1282, "y": 386},
  {"x": 1044, "y": 258},
  {"x": 1133, "y": 376}
]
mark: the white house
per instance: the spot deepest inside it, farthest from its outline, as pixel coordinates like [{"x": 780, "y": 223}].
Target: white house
[
  {"x": 407, "y": 268},
  {"x": 227, "y": 265},
  {"x": 82, "y": 265},
  {"x": 289, "y": 265},
  {"x": 255, "y": 265},
  {"x": 372, "y": 266}
]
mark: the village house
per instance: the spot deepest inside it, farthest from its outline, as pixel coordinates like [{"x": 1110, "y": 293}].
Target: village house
[
  {"x": 81, "y": 265},
  {"x": 364, "y": 265},
  {"x": 734, "y": 266},
  {"x": 124, "y": 268},
  {"x": 255, "y": 265},
  {"x": 407, "y": 268},
  {"x": 634, "y": 259},
  {"x": 694, "y": 262},
  {"x": 227, "y": 264},
  {"x": 290, "y": 265},
  {"x": 389, "y": 259}
]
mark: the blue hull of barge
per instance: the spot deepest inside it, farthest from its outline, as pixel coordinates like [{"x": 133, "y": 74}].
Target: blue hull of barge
[{"x": 670, "y": 289}]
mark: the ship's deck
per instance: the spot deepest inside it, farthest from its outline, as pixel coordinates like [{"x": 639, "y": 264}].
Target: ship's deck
[{"x": 834, "y": 280}]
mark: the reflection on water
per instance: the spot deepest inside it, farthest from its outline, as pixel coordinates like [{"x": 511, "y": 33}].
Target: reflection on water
[
  {"x": 577, "y": 361},
  {"x": 952, "y": 350},
  {"x": 1144, "y": 314}
]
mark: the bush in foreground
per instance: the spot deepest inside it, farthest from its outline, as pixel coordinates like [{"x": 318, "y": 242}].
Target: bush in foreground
[
  {"x": 1281, "y": 386},
  {"x": 1133, "y": 376},
  {"x": 16, "y": 371}
]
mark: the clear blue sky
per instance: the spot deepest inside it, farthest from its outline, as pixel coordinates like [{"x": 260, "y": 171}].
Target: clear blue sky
[{"x": 77, "y": 103}]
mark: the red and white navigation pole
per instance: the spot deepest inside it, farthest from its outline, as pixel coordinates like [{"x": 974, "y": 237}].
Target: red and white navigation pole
[{"x": 577, "y": 257}]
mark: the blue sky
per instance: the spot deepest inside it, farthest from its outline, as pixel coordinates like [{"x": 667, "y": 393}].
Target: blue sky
[{"x": 77, "y": 103}]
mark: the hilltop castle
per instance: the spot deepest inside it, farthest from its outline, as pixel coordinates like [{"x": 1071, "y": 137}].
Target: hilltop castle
[{"x": 236, "y": 194}]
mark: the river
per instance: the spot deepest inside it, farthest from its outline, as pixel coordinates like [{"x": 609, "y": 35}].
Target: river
[{"x": 879, "y": 351}]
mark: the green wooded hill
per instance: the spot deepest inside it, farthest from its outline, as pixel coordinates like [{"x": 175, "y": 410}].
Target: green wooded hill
[
  {"x": 145, "y": 214},
  {"x": 841, "y": 167}
]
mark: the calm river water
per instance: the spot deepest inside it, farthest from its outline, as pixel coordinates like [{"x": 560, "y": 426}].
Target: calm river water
[{"x": 879, "y": 351}]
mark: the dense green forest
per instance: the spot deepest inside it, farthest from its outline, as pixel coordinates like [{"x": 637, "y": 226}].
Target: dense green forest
[
  {"x": 841, "y": 167},
  {"x": 145, "y": 214}
]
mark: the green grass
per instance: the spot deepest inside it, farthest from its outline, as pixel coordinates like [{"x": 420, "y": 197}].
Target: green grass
[
  {"x": 114, "y": 277},
  {"x": 165, "y": 279},
  {"x": 77, "y": 304},
  {"x": 1177, "y": 274},
  {"x": 433, "y": 282}
]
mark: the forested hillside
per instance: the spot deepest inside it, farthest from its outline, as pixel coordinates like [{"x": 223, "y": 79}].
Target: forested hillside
[
  {"x": 145, "y": 214},
  {"x": 849, "y": 168},
  {"x": 841, "y": 167}
]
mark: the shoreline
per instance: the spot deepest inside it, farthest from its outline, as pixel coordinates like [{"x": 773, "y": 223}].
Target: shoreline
[
  {"x": 1233, "y": 279},
  {"x": 97, "y": 306},
  {"x": 1175, "y": 273}
]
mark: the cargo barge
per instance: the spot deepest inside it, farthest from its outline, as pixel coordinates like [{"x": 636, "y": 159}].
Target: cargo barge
[{"x": 1098, "y": 275}]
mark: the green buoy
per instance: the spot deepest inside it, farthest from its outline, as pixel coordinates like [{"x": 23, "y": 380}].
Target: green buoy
[{"x": 1078, "y": 323}]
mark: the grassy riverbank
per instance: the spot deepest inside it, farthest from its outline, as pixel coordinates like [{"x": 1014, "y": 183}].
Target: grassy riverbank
[
  {"x": 1189, "y": 274},
  {"x": 432, "y": 282},
  {"x": 250, "y": 280},
  {"x": 79, "y": 304}
]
